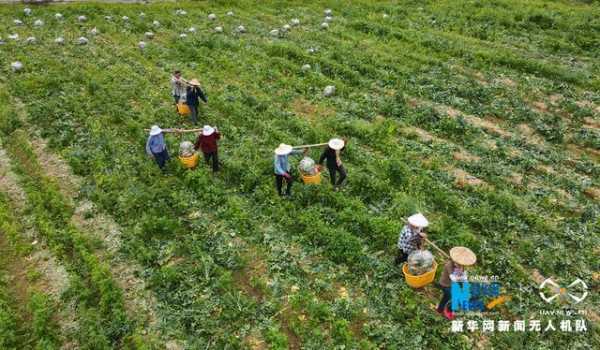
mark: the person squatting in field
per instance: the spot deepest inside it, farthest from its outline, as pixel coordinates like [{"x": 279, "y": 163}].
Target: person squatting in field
[
  {"x": 282, "y": 167},
  {"x": 331, "y": 156},
  {"x": 411, "y": 236},
  {"x": 193, "y": 96},
  {"x": 454, "y": 271},
  {"x": 157, "y": 147},
  {"x": 207, "y": 142}
]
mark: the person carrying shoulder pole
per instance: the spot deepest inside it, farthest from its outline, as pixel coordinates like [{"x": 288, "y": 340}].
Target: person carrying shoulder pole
[
  {"x": 207, "y": 142},
  {"x": 193, "y": 94},
  {"x": 454, "y": 271},
  {"x": 282, "y": 167},
  {"x": 157, "y": 147},
  {"x": 411, "y": 237},
  {"x": 331, "y": 155}
]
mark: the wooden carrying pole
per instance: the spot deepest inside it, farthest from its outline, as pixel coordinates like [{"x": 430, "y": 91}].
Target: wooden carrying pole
[
  {"x": 178, "y": 130},
  {"x": 313, "y": 145},
  {"x": 438, "y": 248}
]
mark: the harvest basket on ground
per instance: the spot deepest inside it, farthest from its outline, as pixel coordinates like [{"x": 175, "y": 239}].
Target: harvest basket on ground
[
  {"x": 183, "y": 109},
  {"x": 419, "y": 280},
  {"x": 189, "y": 162}
]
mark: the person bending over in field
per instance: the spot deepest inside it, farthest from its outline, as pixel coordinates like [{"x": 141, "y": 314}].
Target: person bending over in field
[
  {"x": 207, "y": 142},
  {"x": 178, "y": 84},
  {"x": 282, "y": 168},
  {"x": 411, "y": 236},
  {"x": 157, "y": 147},
  {"x": 193, "y": 96},
  {"x": 334, "y": 162}
]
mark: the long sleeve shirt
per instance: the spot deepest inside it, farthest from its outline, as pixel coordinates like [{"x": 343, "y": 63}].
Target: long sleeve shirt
[
  {"x": 281, "y": 164},
  {"x": 452, "y": 272},
  {"x": 155, "y": 144},
  {"x": 178, "y": 87},
  {"x": 445, "y": 277},
  {"x": 193, "y": 94},
  {"x": 408, "y": 240},
  {"x": 331, "y": 156},
  {"x": 208, "y": 144}
]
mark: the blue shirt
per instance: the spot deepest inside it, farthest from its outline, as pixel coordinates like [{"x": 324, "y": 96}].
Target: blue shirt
[
  {"x": 281, "y": 164},
  {"x": 155, "y": 144}
]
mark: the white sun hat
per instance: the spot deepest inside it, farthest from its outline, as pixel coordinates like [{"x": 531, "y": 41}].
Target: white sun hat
[
  {"x": 463, "y": 256},
  {"x": 418, "y": 220},
  {"x": 155, "y": 130},
  {"x": 283, "y": 150},
  {"x": 207, "y": 130},
  {"x": 336, "y": 144}
]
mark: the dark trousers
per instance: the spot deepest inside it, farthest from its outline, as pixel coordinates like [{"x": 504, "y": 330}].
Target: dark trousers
[
  {"x": 401, "y": 257},
  {"x": 194, "y": 113},
  {"x": 176, "y": 97},
  {"x": 279, "y": 184},
  {"x": 333, "y": 169},
  {"x": 161, "y": 158},
  {"x": 215, "y": 160},
  {"x": 445, "y": 298}
]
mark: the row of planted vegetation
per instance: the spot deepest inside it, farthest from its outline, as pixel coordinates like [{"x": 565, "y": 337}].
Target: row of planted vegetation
[{"x": 232, "y": 265}]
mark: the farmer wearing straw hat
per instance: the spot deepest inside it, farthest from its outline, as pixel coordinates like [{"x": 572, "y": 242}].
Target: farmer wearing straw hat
[
  {"x": 334, "y": 163},
  {"x": 282, "y": 167},
  {"x": 207, "y": 142},
  {"x": 156, "y": 146},
  {"x": 454, "y": 271},
  {"x": 411, "y": 236},
  {"x": 178, "y": 85},
  {"x": 193, "y": 96}
]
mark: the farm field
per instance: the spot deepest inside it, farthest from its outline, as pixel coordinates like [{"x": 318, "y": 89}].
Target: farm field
[{"x": 483, "y": 115}]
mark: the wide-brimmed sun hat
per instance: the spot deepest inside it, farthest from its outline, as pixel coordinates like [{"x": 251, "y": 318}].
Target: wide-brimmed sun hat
[
  {"x": 463, "y": 256},
  {"x": 155, "y": 130},
  {"x": 207, "y": 130},
  {"x": 336, "y": 144},
  {"x": 418, "y": 220},
  {"x": 283, "y": 149},
  {"x": 194, "y": 82}
]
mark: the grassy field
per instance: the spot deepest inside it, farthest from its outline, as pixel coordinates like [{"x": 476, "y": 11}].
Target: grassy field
[{"x": 484, "y": 115}]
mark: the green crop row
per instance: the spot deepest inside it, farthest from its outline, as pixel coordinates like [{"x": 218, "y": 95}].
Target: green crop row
[
  {"x": 30, "y": 326},
  {"x": 103, "y": 318}
]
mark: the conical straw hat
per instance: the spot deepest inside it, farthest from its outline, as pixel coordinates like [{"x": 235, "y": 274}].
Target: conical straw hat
[{"x": 463, "y": 256}]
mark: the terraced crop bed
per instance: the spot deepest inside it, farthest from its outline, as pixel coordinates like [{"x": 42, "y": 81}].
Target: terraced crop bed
[{"x": 483, "y": 115}]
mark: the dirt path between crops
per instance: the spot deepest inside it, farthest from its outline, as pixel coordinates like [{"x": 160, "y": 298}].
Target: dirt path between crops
[{"x": 53, "y": 279}]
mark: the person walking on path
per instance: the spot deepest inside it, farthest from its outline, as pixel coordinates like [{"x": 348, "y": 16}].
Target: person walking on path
[
  {"x": 157, "y": 147},
  {"x": 282, "y": 168},
  {"x": 411, "y": 236},
  {"x": 331, "y": 156},
  {"x": 454, "y": 271},
  {"x": 207, "y": 143},
  {"x": 193, "y": 96},
  {"x": 178, "y": 85}
]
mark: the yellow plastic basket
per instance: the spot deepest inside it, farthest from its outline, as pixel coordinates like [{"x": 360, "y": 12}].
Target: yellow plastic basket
[
  {"x": 189, "y": 162},
  {"x": 311, "y": 179},
  {"x": 420, "y": 280},
  {"x": 183, "y": 109}
]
